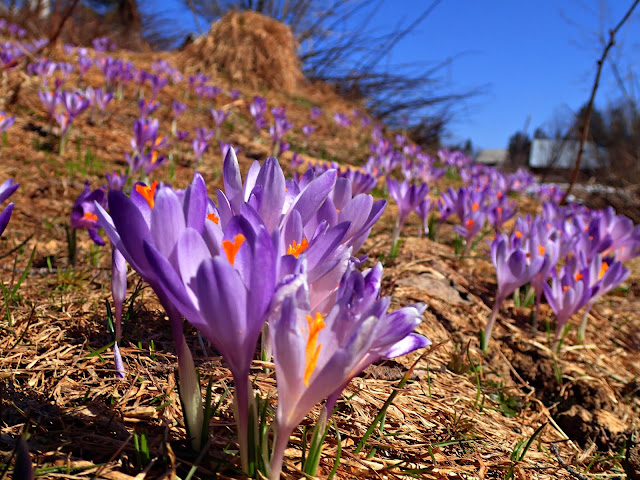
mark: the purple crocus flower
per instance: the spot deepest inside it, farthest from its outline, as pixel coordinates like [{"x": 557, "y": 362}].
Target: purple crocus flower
[
  {"x": 102, "y": 99},
  {"x": 200, "y": 143},
  {"x": 315, "y": 113},
  {"x": 257, "y": 109},
  {"x": 150, "y": 218},
  {"x": 115, "y": 181},
  {"x": 423, "y": 209},
  {"x": 178, "y": 108},
  {"x": 342, "y": 120},
  {"x": 211, "y": 276},
  {"x": 539, "y": 241},
  {"x": 515, "y": 267},
  {"x": 308, "y": 130},
  {"x": 219, "y": 116},
  {"x": 157, "y": 83},
  {"x": 74, "y": 103},
  {"x": 83, "y": 214},
  {"x": 5, "y": 121},
  {"x": 225, "y": 147},
  {"x": 50, "y": 101},
  {"x": 361, "y": 181},
  {"x": 317, "y": 355},
  {"x": 182, "y": 135},
  {"x": 501, "y": 211},
  {"x": 278, "y": 130},
  {"x": 147, "y": 107},
  {"x": 407, "y": 197},
  {"x": 605, "y": 274},
  {"x": 6, "y": 190},
  {"x": 569, "y": 292},
  {"x": 234, "y": 94}
]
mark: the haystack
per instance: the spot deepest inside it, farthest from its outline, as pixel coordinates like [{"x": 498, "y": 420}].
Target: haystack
[{"x": 249, "y": 49}]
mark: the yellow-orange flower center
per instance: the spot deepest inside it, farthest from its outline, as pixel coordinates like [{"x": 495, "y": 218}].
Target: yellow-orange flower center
[
  {"x": 213, "y": 217},
  {"x": 475, "y": 206},
  {"x": 90, "y": 216},
  {"x": 148, "y": 193},
  {"x": 603, "y": 270},
  {"x": 231, "y": 247},
  {"x": 312, "y": 350},
  {"x": 518, "y": 234},
  {"x": 579, "y": 276},
  {"x": 470, "y": 223},
  {"x": 296, "y": 248},
  {"x": 541, "y": 249}
]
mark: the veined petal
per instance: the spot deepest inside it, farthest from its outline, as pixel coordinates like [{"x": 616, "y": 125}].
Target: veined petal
[
  {"x": 223, "y": 302},
  {"x": 167, "y": 221},
  {"x": 408, "y": 344},
  {"x": 195, "y": 203},
  {"x": 232, "y": 180},
  {"x": 273, "y": 183}
]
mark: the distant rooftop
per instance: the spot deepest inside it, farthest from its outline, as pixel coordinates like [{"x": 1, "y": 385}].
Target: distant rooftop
[{"x": 492, "y": 156}]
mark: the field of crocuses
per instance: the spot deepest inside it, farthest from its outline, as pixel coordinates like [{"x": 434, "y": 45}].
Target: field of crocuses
[{"x": 201, "y": 281}]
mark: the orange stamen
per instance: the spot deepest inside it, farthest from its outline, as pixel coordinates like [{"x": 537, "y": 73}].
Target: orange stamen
[
  {"x": 603, "y": 270},
  {"x": 579, "y": 276},
  {"x": 565, "y": 288},
  {"x": 518, "y": 234},
  {"x": 541, "y": 249},
  {"x": 158, "y": 140},
  {"x": 148, "y": 192},
  {"x": 470, "y": 224},
  {"x": 231, "y": 248},
  {"x": 90, "y": 216},
  {"x": 214, "y": 218},
  {"x": 475, "y": 206},
  {"x": 312, "y": 350},
  {"x": 296, "y": 248}
]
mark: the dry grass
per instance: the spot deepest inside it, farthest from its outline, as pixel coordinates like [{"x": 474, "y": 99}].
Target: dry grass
[{"x": 249, "y": 49}]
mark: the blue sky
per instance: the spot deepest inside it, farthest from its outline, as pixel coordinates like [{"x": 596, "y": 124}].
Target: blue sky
[{"x": 536, "y": 58}]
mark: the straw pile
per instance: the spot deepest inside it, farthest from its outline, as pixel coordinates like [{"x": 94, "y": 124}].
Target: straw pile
[{"x": 248, "y": 48}]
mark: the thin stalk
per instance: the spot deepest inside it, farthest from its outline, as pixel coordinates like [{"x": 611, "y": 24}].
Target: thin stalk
[
  {"x": 583, "y": 325},
  {"x": 394, "y": 237},
  {"x": 189, "y": 382},
  {"x": 241, "y": 404},
  {"x": 279, "y": 447},
  {"x": 486, "y": 336}
]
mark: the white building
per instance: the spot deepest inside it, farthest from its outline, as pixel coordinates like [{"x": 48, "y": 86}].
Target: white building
[{"x": 563, "y": 154}]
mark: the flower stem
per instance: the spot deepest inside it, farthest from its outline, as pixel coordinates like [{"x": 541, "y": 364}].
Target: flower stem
[
  {"x": 241, "y": 414},
  {"x": 583, "y": 325},
  {"x": 277, "y": 455},
  {"x": 490, "y": 322}
]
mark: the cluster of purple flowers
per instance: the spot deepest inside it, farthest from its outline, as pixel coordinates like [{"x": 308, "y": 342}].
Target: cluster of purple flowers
[
  {"x": 581, "y": 251},
  {"x": 146, "y": 144},
  {"x": 270, "y": 251},
  {"x": 257, "y": 109},
  {"x": 281, "y": 125}
]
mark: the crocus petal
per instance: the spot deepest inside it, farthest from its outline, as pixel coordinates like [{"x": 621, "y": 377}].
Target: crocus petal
[
  {"x": 5, "y": 216},
  {"x": 408, "y": 344},
  {"x": 232, "y": 180}
]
